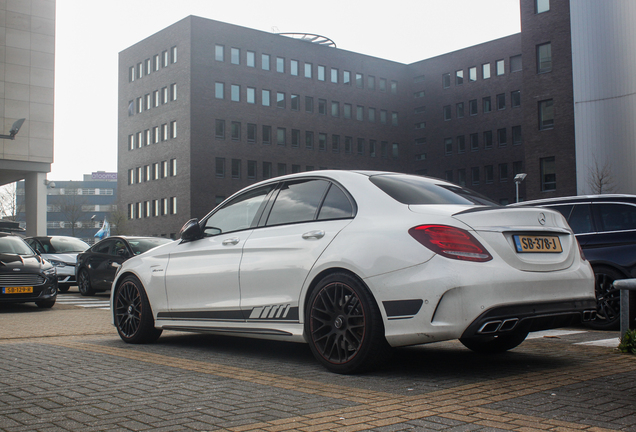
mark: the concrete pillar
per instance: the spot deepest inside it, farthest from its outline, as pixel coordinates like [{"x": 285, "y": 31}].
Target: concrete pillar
[{"x": 35, "y": 204}]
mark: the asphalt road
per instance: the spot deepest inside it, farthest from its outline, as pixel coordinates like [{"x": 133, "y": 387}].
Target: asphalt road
[{"x": 65, "y": 369}]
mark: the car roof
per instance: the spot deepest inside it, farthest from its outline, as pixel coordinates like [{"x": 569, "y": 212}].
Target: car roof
[{"x": 626, "y": 198}]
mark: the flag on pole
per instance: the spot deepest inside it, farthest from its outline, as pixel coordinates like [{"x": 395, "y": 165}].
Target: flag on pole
[{"x": 104, "y": 231}]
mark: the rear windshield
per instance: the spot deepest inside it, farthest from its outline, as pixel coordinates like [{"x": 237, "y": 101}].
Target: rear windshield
[
  {"x": 414, "y": 190},
  {"x": 63, "y": 245}
]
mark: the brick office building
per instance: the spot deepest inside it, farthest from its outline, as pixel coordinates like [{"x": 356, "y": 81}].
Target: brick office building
[{"x": 207, "y": 108}]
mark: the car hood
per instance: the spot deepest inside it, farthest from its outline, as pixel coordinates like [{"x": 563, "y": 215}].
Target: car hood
[
  {"x": 26, "y": 262},
  {"x": 68, "y": 258}
]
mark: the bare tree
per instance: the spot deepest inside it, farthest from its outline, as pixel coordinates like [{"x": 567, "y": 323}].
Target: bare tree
[
  {"x": 600, "y": 178},
  {"x": 118, "y": 225},
  {"x": 9, "y": 207},
  {"x": 70, "y": 205}
]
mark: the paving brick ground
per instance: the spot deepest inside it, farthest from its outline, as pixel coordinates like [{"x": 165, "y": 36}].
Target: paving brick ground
[{"x": 65, "y": 369}]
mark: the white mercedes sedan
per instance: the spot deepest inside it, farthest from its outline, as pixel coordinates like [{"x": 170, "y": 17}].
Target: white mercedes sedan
[{"x": 354, "y": 263}]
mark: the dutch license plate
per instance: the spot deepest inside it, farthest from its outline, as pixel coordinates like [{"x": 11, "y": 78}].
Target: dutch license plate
[
  {"x": 17, "y": 290},
  {"x": 535, "y": 243}
]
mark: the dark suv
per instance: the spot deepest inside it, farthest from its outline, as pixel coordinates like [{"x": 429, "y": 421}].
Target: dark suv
[{"x": 605, "y": 226}]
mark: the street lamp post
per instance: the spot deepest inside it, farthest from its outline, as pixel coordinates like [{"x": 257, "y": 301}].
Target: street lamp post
[{"x": 518, "y": 179}]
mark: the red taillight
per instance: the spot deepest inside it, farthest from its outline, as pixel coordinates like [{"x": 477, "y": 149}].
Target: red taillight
[{"x": 450, "y": 242}]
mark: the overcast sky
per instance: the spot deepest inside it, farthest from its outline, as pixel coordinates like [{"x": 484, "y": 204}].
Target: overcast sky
[{"x": 90, "y": 34}]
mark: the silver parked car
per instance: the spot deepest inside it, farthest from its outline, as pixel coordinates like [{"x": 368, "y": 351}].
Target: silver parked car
[{"x": 61, "y": 251}]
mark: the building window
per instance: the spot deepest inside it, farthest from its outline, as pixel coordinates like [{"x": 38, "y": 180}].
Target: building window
[
  {"x": 503, "y": 172},
  {"x": 459, "y": 77},
  {"x": 502, "y": 137},
  {"x": 173, "y": 205},
  {"x": 164, "y": 169},
  {"x": 472, "y": 74},
  {"x": 447, "y": 112},
  {"x": 156, "y": 98},
  {"x": 309, "y": 104},
  {"x": 360, "y": 149},
  {"x": 394, "y": 118},
  {"x": 515, "y": 98},
  {"x": 282, "y": 169},
  {"x": 251, "y": 95},
  {"x": 371, "y": 114},
  {"x": 501, "y": 101},
  {"x": 461, "y": 177},
  {"x": 147, "y": 101},
  {"x": 236, "y": 168},
  {"x": 322, "y": 106},
  {"x": 308, "y": 69},
  {"x": 265, "y": 61},
  {"x": 335, "y": 143},
  {"x": 486, "y": 105},
  {"x": 419, "y": 94},
  {"x": 371, "y": 82},
  {"x": 544, "y": 57},
  {"x": 295, "y": 169},
  {"x": 220, "y": 167},
  {"x": 267, "y": 134},
  {"x": 335, "y": 109},
  {"x": 394, "y": 86},
  {"x": 265, "y": 98},
  {"x": 346, "y": 77},
  {"x": 281, "y": 136},
  {"x": 322, "y": 142},
  {"x": 542, "y": 6},
  {"x": 251, "y": 169},
  {"x": 235, "y": 131},
  {"x": 515, "y": 63},
  {"x": 446, "y": 80},
  {"x": 420, "y": 141},
  {"x": 359, "y": 113},
  {"x": 293, "y": 67},
  {"x": 474, "y": 142},
  {"x": 295, "y": 138},
  {"x": 487, "y": 139},
  {"x": 267, "y": 170},
  {"x": 485, "y": 71},
  {"x": 501, "y": 68},
  {"x": 309, "y": 140},
  {"x": 321, "y": 73},
  {"x": 295, "y": 102},
  {"x": 235, "y": 56},
  {"x": 474, "y": 174},
  {"x": 472, "y": 107},
  {"x": 164, "y": 132},
  {"x": 448, "y": 146},
  {"x": 173, "y": 92},
  {"x": 489, "y": 175},
  {"x": 546, "y": 114},
  {"x": 395, "y": 150},
  {"x": 348, "y": 145},
  {"x": 173, "y": 167},
  {"x": 461, "y": 144},
  {"x": 147, "y": 173},
  {"x": 131, "y": 142},
  {"x": 219, "y": 53},
  {"x": 173, "y": 129},
  {"x": 251, "y": 132},
  {"x": 219, "y": 90},
  {"x": 372, "y": 146},
  {"x": 360, "y": 80},
  {"x": 420, "y": 125},
  {"x": 235, "y": 93},
  {"x": 517, "y": 167},
  {"x": 548, "y": 174},
  {"x": 166, "y": 60},
  {"x": 347, "y": 111},
  {"x": 516, "y": 135},
  {"x": 280, "y": 64},
  {"x": 155, "y": 135},
  {"x": 219, "y": 129},
  {"x": 280, "y": 100},
  {"x": 459, "y": 109},
  {"x": 334, "y": 75},
  {"x": 419, "y": 110},
  {"x": 251, "y": 59}
]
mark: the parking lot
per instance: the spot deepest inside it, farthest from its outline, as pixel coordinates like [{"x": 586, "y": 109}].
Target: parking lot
[{"x": 66, "y": 369}]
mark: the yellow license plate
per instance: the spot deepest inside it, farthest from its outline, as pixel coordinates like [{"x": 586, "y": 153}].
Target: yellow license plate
[
  {"x": 535, "y": 243},
  {"x": 17, "y": 290}
]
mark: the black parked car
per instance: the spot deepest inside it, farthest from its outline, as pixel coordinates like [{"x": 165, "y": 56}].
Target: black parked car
[
  {"x": 605, "y": 226},
  {"x": 96, "y": 267},
  {"x": 24, "y": 275}
]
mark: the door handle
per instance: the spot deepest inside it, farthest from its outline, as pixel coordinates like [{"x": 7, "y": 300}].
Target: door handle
[
  {"x": 231, "y": 241},
  {"x": 314, "y": 235},
  {"x": 115, "y": 264}
]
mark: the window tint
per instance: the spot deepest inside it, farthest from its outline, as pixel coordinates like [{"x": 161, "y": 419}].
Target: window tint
[
  {"x": 297, "y": 202},
  {"x": 336, "y": 205},
  {"x": 238, "y": 214},
  {"x": 140, "y": 246},
  {"x": 414, "y": 190},
  {"x": 581, "y": 219},
  {"x": 617, "y": 217},
  {"x": 102, "y": 248}
]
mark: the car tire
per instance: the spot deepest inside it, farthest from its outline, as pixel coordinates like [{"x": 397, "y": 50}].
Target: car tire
[
  {"x": 63, "y": 288},
  {"x": 45, "y": 304},
  {"x": 344, "y": 326},
  {"x": 493, "y": 344},
  {"x": 608, "y": 299},
  {"x": 132, "y": 313},
  {"x": 84, "y": 283}
]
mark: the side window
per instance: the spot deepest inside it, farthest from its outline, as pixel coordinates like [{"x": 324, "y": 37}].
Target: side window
[
  {"x": 35, "y": 245},
  {"x": 103, "y": 247},
  {"x": 617, "y": 217},
  {"x": 565, "y": 210},
  {"x": 581, "y": 219},
  {"x": 119, "y": 249},
  {"x": 336, "y": 205},
  {"x": 297, "y": 202},
  {"x": 238, "y": 214}
]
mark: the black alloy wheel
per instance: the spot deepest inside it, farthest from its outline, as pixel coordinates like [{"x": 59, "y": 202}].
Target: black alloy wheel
[
  {"x": 608, "y": 299},
  {"x": 84, "y": 283},
  {"x": 344, "y": 326},
  {"x": 133, "y": 316}
]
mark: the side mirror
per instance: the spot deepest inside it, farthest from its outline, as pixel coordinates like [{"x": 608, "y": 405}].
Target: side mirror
[{"x": 191, "y": 231}]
